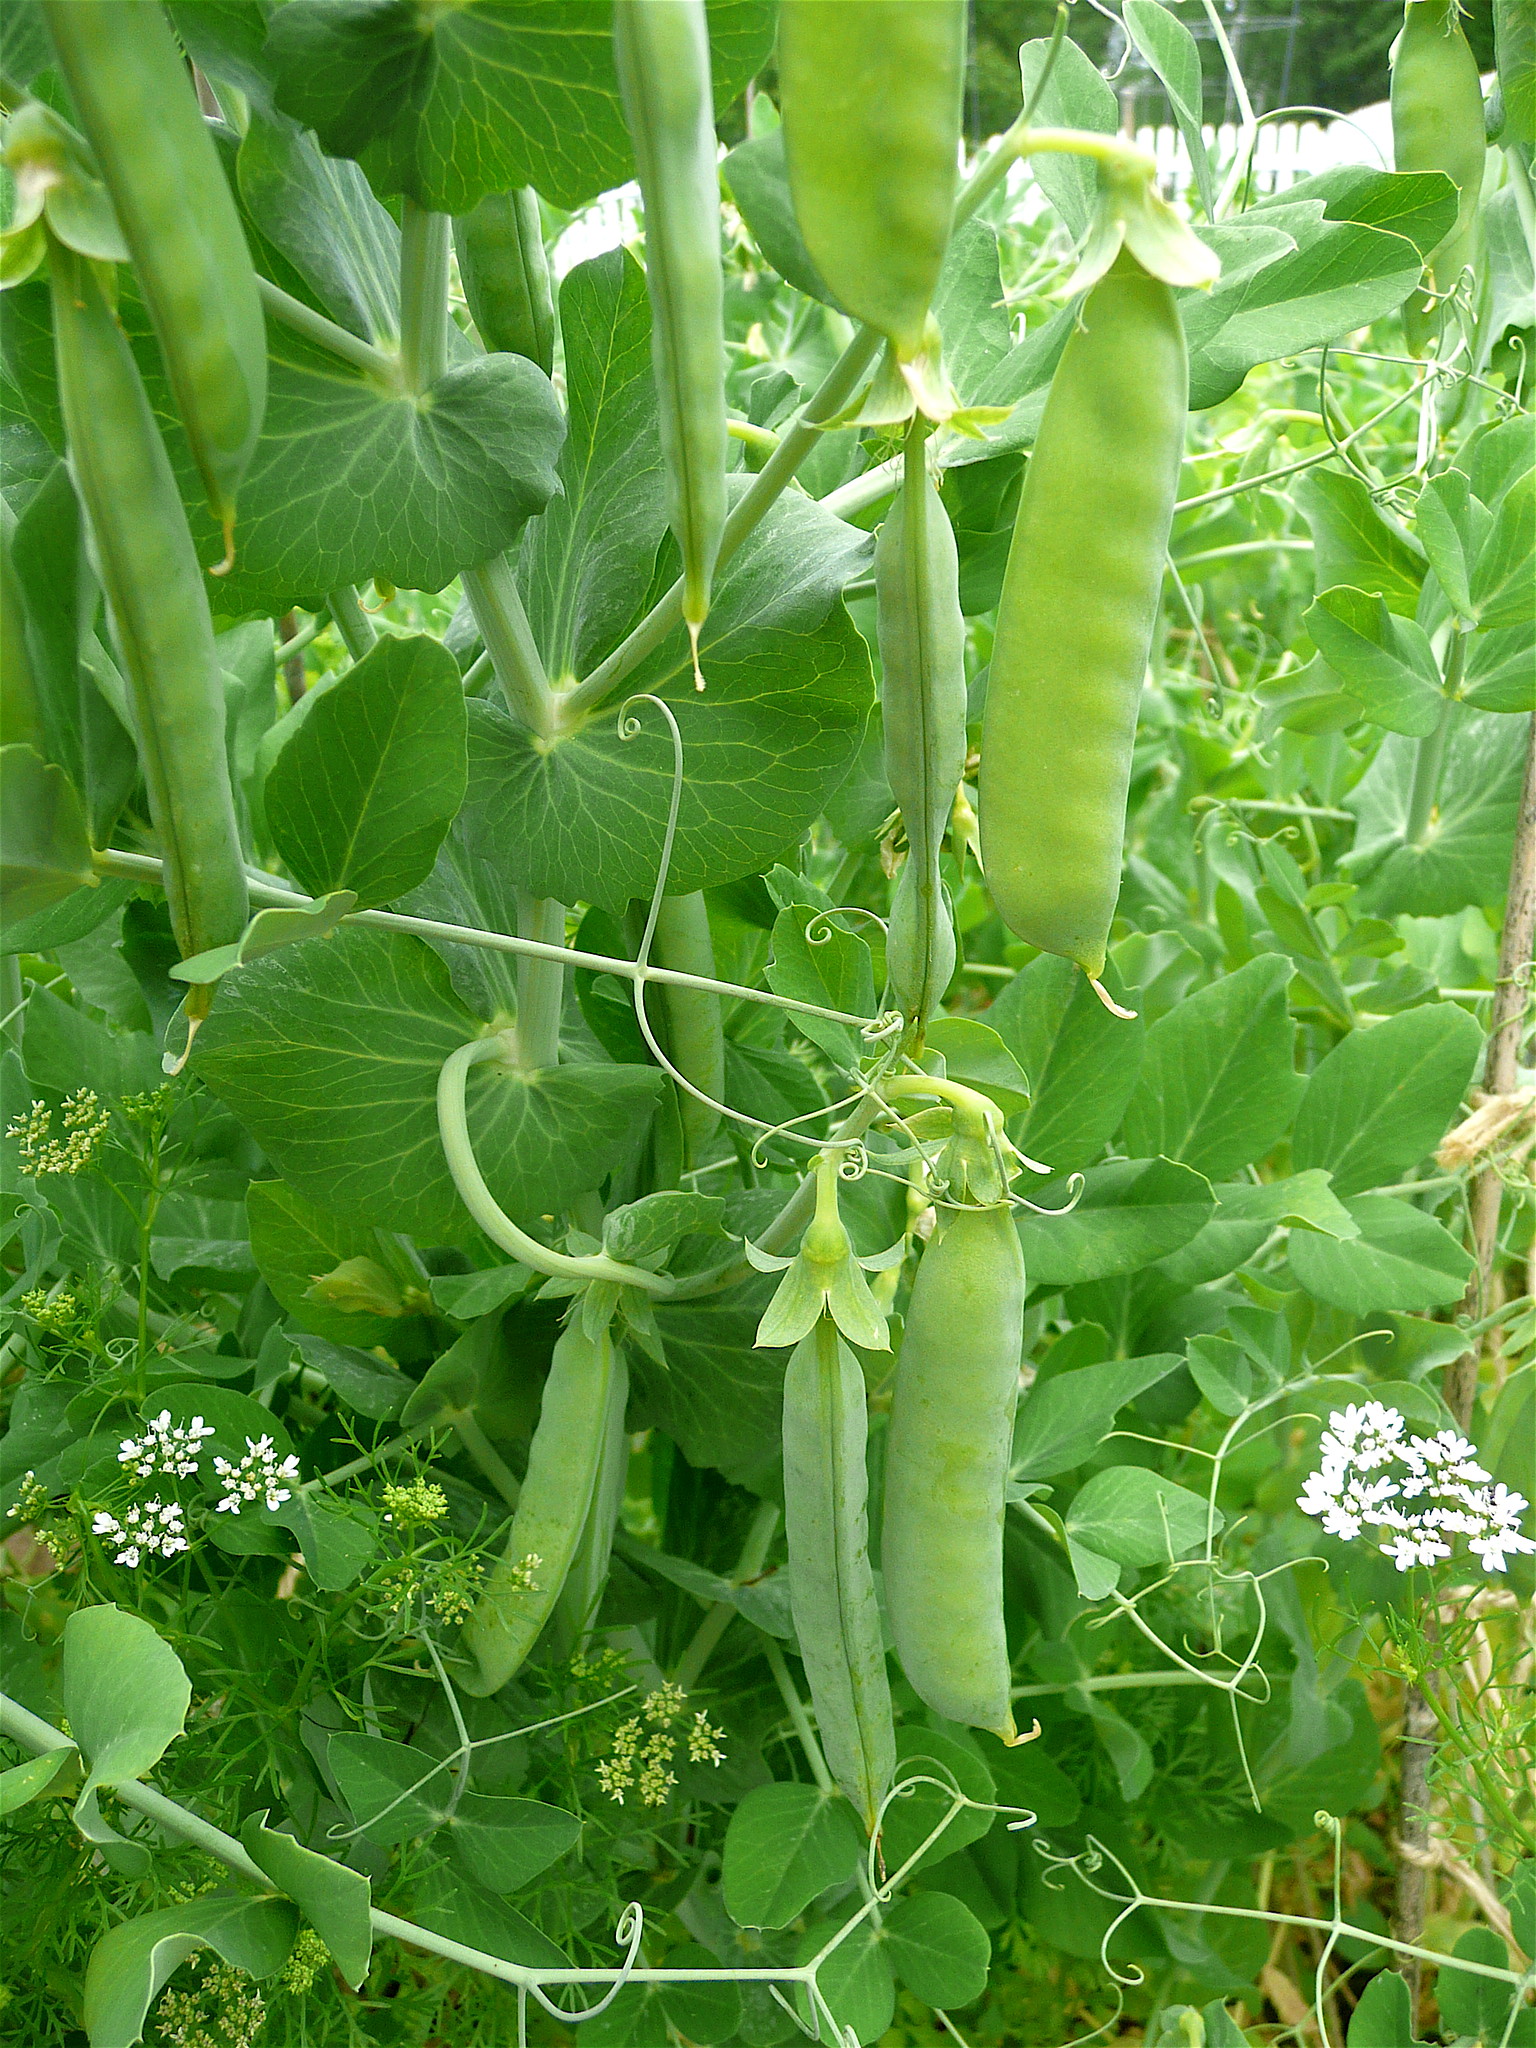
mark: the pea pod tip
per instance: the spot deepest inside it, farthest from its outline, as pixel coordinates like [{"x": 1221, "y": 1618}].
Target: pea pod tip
[{"x": 1115, "y": 1009}]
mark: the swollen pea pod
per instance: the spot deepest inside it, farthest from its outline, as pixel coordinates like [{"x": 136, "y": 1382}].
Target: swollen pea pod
[
  {"x": 946, "y": 1468},
  {"x": 922, "y": 695},
  {"x": 661, "y": 52},
  {"x": 505, "y": 275},
  {"x": 695, "y": 1037},
  {"x": 1437, "y": 125},
  {"x": 871, "y": 98},
  {"x": 582, "y": 1593},
  {"x": 152, "y": 146},
  {"x": 1074, "y": 625},
  {"x": 832, "y": 1586},
  {"x": 143, "y": 554},
  {"x": 565, "y": 1461}
]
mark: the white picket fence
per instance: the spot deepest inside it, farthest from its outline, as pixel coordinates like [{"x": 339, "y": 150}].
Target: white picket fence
[{"x": 1285, "y": 153}]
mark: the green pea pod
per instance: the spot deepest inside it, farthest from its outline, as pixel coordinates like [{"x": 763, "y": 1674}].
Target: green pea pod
[
  {"x": 137, "y": 105},
  {"x": 505, "y": 275},
  {"x": 565, "y": 1461},
  {"x": 661, "y": 51},
  {"x": 922, "y": 695},
  {"x": 158, "y": 606},
  {"x": 832, "y": 1587},
  {"x": 695, "y": 1037},
  {"x": 582, "y": 1594},
  {"x": 1437, "y": 125},
  {"x": 1074, "y": 625},
  {"x": 946, "y": 1467},
  {"x": 871, "y": 98}
]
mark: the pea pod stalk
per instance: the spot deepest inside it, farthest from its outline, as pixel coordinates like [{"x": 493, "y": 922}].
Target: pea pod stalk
[
  {"x": 922, "y": 659},
  {"x": 661, "y": 52},
  {"x": 832, "y": 1586},
  {"x": 565, "y": 1462},
  {"x": 1075, "y": 621},
  {"x": 946, "y": 1468},
  {"x": 158, "y": 607},
  {"x": 137, "y": 105}
]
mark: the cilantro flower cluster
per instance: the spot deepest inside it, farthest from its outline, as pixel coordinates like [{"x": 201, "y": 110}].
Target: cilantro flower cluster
[
  {"x": 85, "y": 1125},
  {"x": 165, "y": 1447},
  {"x": 259, "y": 1475},
  {"x": 157, "y": 1529},
  {"x": 643, "y": 1761},
  {"x": 1419, "y": 1490}
]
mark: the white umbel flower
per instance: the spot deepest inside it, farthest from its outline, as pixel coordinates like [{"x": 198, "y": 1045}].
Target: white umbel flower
[{"x": 259, "y": 1475}]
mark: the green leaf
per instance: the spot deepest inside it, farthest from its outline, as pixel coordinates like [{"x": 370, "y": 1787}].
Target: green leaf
[
  {"x": 1174, "y": 55},
  {"x": 332, "y": 1898},
  {"x": 1384, "y": 2016},
  {"x": 1462, "y": 855},
  {"x": 452, "y": 1904},
  {"x": 337, "y": 1539},
  {"x": 267, "y": 931},
  {"x": 1503, "y": 588},
  {"x": 330, "y": 1056},
  {"x": 1222, "y": 1372},
  {"x": 75, "y": 917},
  {"x": 938, "y": 1949},
  {"x": 45, "y": 851},
  {"x": 1479, "y": 2007},
  {"x": 706, "y": 2013},
  {"x": 1386, "y": 663},
  {"x": 833, "y": 968},
  {"x": 855, "y": 1980},
  {"x": 655, "y": 1223},
  {"x": 1131, "y": 1211},
  {"x": 1218, "y": 1084},
  {"x": 125, "y": 1693},
  {"x": 295, "y": 1243},
  {"x": 456, "y": 104},
  {"x": 1501, "y": 670},
  {"x": 758, "y": 181},
  {"x": 25, "y": 1782},
  {"x": 359, "y": 1380},
  {"x": 975, "y": 1053},
  {"x": 1385, "y": 1097},
  {"x": 1062, "y": 1422},
  {"x": 788, "y": 688},
  {"x": 362, "y": 795},
  {"x": 1247, "y": 1215},
  {"x": 63, "y": 1049},
  {"x": 1402, "y": 1259},
  {"x": 1082, "y": 1063},
  {"x": 1354, "y": 543},
  {"x": 953, "y": 1757},
  {"x": 1075, "y": 96},
  {"x": 720, "y": 1399},
  {"x": 1444, "y": 519},
  {"x": 505, "y": 1843},
  {"x": 133, "y": 1960},
  {"x": 395, "y": 1793},
  {"x": 786, "y": 1845},
  {"x": 1137, "y": 1518}
]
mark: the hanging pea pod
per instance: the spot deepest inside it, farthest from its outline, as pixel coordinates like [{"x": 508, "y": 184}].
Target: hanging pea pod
[
  {"x": 1437, "y": 125},
  {"x": 144, "y": 558},
  {"x": 661, "y": 51},
  {"x": 871, "y": 98},
  {"x": 946, "y": 1467},
  {"x": 582, "y": 1594},
  {"x": 922, "y": 696},
  {"x": 832, "y": 1586},
  {"x": 565, "y": 1461},
  {"x": 1075, "y": 622},
  {"x": 140, "y": 113},
  {"x": 695, "y": 1037},
  {"x": 505, "y": 275}
]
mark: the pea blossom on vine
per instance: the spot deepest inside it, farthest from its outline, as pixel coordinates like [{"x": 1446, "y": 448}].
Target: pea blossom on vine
[{"x": 1420, "y": 1491}]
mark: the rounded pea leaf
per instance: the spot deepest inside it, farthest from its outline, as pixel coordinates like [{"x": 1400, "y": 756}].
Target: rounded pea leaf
[
  {"x": 1136, "y": 1517},
  {"x": 1402, "y": 1259},
  {"x": 125, "y": 1693},
  {"x": 952, "y": 1759},
  {"x": 938, "y": 1948},
  {"x": 786, "y": 1844},
  {"x": 332, "y": 1898},
  {"x": 1384, "y": 1098},
  {"x": 855, "y": 1980},
  {"x": 133, "y": 1960},
  {"x": 45, "y": 852},
  {"x": 705, "y": 2013}
]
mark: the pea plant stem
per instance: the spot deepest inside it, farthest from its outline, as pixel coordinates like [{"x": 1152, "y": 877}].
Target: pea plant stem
[
  {"x": 315, "y": 327},
  {"x": 423, "y": 295},
  {"x": 357, "y": 630},
  {"x": 497, "y": 604},
  {"x": 148, "y": 867},
  {"x": 540, "y": 982}
]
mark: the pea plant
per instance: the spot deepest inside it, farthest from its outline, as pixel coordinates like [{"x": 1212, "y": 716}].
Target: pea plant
[{"x": 767, "y": 1214}]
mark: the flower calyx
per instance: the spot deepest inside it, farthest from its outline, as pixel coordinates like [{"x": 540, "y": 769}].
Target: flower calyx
[{"x": 825, "y": 1275}]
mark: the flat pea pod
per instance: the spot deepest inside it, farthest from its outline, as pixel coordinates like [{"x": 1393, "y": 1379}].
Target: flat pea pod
[
  {"x": 695, "y": 1034},
  {"x": 565, "y": 1461},
  {"x": 871, "y": 97},
  {"x": 1437, "y": 125},
  {"x": 505, "y": 275},
  {"x": 152, "y": 146},
  {"x": 946, "y": 1467},
  {"x": 832, "y": 1585},
  {"x": 157, "y": 603},
  {"x": 582, "y": 1594},
  {"x": 922, "y": 697},
  {"x": 661, "y": 52},
  {"x": 1075, "y": 621}
]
